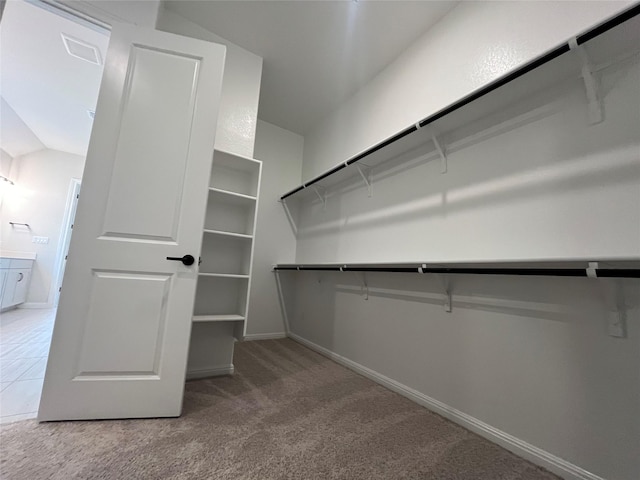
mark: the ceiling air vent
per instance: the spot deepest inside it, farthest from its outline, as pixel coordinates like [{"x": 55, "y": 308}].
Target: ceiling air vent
[{"x": 79, "y": 49}]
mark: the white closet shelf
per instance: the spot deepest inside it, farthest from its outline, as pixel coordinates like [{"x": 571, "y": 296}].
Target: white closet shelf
[
  {"x": 218, "y": 318},
  {"x": 223, "y": 275},
  {"x": 628, "y": 268},
  {"x": 226, "y": 160},
  {"x": 227, "y": 234},
  {"x": 233, "y": 196},
  {"x": 603, "y": 45}
]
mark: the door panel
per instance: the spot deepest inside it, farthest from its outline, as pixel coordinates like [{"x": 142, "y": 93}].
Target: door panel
[
  {"x": 145, "y": 200},
  {"x": 128, "y": 315},
  {"x": 121, "y": 336}
]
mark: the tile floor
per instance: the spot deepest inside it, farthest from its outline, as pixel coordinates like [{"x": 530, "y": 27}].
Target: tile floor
[{"x": 25, "y": 335}]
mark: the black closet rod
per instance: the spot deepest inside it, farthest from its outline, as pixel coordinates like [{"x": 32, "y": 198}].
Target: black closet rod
[
  {"x": 548, "y": 272},
  {"x": 594, "y": 32}
]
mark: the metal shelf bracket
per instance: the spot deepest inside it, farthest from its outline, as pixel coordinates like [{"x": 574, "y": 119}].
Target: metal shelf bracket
[
  {"x": 362, "y": 280},
  {"x": 365, "y": 173},
  {"x": 321, "y": 194},
  {"x": 617, "y": 318},
  {"x": 446, "y": 285},
  {"x": 615, "y": 301},
  {"x": 290, "y": 219},
  {"x": 594, "y": 102},
  {"x": 441, "y": 152}
]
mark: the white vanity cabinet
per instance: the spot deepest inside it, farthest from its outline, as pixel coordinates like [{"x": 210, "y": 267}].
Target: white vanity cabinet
[{"x": 15, "y": 274}]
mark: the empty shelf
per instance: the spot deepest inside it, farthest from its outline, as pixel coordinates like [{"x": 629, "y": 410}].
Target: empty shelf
[
  {"x": 233, "y": 196},
  {"x": 218, "y": 318},
  {"x": 228, "y": 234},
  {"x": 223, "y": 275}
]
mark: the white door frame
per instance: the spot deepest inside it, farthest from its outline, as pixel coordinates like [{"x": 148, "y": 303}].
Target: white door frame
[
  {"x": 65, "y": 238},
  {"x": 101, "y": 25}
]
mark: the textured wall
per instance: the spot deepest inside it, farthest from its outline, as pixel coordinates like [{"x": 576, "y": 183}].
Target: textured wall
[
  {"x": 240, "y": 86},
  {"x": 281, "y": 155}
]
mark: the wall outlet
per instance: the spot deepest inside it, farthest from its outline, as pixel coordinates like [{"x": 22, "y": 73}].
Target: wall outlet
[{"x": 40, "y": 239}]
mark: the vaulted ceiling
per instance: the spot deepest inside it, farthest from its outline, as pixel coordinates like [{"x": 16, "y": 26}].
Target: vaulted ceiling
[{"x": 48, "y": 91}]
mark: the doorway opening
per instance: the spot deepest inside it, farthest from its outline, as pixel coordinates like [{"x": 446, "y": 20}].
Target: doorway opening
[{"x": 46, "y": 127}]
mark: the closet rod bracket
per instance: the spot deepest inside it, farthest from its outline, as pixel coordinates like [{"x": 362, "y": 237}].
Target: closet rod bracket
[
  {"x": 441, "y": 152},
  {"x": 446, "y": 286},
  {"x": 362, "y": 280},
  {"x": 616, "y": 308},
  {"x": 365, "y": 173},
  {"x": 290, "y": 219},
  {"x": 614, "y": 299},
  {"x": 321, "y": 193},
  {"x": 594, "y": 102}
]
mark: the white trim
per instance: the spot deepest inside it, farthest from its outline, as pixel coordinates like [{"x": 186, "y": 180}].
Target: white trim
[
  {"x": 35, "y": 305},
  {"x": 265, "y": 336},
  {"x": 102, "y": 26},
  {"x": 64, "y": 239},
  {"x": 536, "y": 455},
  {"x": 210, "y": 372},
  {"x": 254, "y": 229}
]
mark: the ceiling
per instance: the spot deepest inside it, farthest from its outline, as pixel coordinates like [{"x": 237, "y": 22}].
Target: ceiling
[
  {"x": 316, "y": 53},
  {"x": 15, "y": 137},
  {"x": 46, "y": 89}
]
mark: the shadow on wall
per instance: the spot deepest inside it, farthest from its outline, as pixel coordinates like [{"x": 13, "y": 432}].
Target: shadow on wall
[
  {"x": 543, "y": 298},
  {"x": 524, "y": 158}
]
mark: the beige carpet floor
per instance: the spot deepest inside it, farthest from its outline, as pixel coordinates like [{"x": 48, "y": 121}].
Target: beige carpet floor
[{"x": 288, "y": 413}]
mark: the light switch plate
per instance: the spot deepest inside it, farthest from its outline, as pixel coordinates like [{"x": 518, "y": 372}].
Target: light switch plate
[{"x": 39, "y": 239}]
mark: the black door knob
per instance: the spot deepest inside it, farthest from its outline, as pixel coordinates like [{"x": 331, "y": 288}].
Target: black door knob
[{"x": 187, "y": 259}]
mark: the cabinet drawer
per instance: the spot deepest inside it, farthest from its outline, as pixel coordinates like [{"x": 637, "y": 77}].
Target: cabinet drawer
[
  {"x": 16, "y": 287},
  {"x": 22, "y": 286},
  {"x": 21, "y": 263},
  {"x": 5, "y": 262}
]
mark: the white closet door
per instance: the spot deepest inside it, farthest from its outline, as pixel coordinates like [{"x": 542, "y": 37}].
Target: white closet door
[{"x": 121, "y": 336}]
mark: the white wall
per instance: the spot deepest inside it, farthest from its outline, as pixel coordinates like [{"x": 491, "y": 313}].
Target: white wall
[
  {"x": 240, "y": 86},
  {"x": 530, "y": 357},
  {"x": 474, "y": 44},
  {"x": 525, "y": 358},
  {"x": 526, "y": 362},
  {"x": 42, "y": 180},
  {"x": 281, "y": 154},
  {"x": 5, "y": 164}
]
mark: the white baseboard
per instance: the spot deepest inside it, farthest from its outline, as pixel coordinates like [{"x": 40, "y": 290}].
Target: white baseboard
[
  {"x": 36, "y": 305},
  {"x": 535, "y": 455},
  {"x": 265, "y": 336},
  {"x": 210, "y": 372}
]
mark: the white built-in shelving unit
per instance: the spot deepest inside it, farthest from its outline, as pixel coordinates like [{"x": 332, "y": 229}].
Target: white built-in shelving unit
[
  {"x": 224, "y": 276},
  {"x": 227, "y": 244}
]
